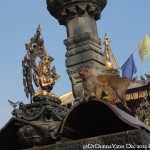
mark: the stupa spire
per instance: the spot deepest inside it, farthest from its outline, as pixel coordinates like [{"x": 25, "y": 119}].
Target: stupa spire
[{"x": 110, "y": 61}]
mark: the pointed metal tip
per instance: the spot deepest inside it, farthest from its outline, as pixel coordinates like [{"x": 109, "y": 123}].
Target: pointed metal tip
[
  {"x": 106, "y": 36},
  {"x": 39, "y": 28}
]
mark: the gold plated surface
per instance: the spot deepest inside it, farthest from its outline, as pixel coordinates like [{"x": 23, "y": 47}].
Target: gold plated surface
[
  {"x": 110, "y": 61},
  {"x": 36, "y": 68}
]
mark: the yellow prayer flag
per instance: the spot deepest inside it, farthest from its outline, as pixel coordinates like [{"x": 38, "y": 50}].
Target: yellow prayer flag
[{"x": 144, "y": 48}]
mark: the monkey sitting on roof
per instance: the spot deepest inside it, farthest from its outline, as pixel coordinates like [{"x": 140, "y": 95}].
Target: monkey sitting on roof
[{"x": 113, "y": 86}]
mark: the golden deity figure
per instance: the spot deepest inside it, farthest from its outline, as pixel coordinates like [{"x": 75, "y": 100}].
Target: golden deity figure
[
  {"x": 45, "y": 80},
  {"x": 43, "y": 76}
]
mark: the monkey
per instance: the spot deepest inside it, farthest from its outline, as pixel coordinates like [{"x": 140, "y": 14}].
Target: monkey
[
  {"x": 92, "y": 87},
  {"x": 89, "y": 85},
  {"x": 111, "y": 95},
  {"x": 113, "y": 86}
]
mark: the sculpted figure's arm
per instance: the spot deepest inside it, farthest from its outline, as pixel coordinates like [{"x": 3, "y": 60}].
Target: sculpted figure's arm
[
  {"x": 54, "y": 74},
  {"x": 45, "y": 84}
]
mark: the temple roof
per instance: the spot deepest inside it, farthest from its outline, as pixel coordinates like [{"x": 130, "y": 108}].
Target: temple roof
[
  {"x": 66, "y": 98},
  {"x": 86, "y": 120},
  {"x": 9, "y": 135}
]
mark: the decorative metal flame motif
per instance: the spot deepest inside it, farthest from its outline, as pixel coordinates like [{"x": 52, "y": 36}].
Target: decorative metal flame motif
[{"x": 43, "y": 76}]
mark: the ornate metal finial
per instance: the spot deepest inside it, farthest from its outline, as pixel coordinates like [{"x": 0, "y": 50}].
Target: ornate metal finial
[
  {"x": 106, "y": 40},
  {"x": 39, "y": 72},
  {"x": 13, "y": 104},
  {"x": 111, "y": 63},
  {"x": 38, "y": 28},
  {"x": 107, "y": 53}
]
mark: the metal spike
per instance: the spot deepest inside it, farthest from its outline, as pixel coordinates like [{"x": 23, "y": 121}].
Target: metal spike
[
  {"x": 24, "y": 72},
  {"x": 26, "y": 92},
  {"x": 24, "y": 82},
  {"x": 23, "y": 63}
]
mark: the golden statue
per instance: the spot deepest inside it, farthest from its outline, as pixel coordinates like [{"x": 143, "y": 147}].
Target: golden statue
[
  {"x": 43, "y": 76},
  {"x": 45, "y": 80}
]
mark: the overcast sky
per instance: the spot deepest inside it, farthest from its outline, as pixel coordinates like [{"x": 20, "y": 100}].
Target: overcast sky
[{"x": 125, "y": 21}]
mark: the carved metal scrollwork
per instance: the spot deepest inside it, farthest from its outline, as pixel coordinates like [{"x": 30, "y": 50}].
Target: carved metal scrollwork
[
  {"x": 39, "y": 122},
  {"x": 43, "y": 76},
  {"x": 143, "y": 111}
]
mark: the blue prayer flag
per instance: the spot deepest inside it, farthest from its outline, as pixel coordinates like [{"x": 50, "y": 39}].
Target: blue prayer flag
[{"x": 129, "y": 68}]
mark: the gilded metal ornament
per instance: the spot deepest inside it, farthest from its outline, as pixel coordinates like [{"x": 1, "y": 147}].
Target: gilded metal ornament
[
  {"x": 110, "y": 61},
  {"x": 41, "y": 73},
  {"x": 142, "y": 113}
]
